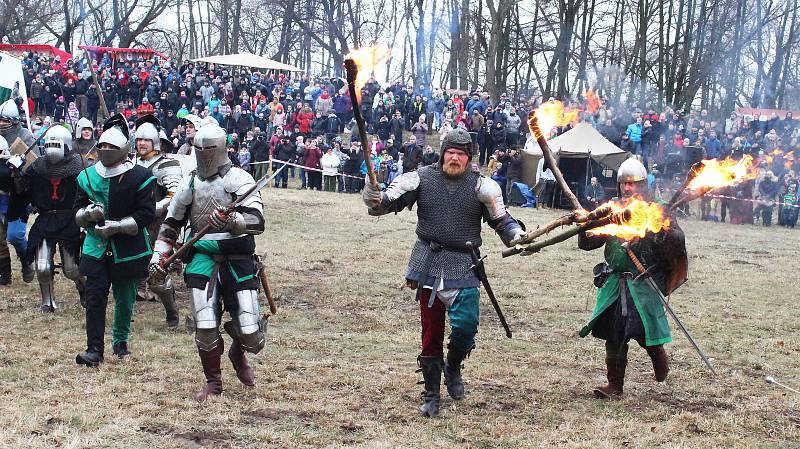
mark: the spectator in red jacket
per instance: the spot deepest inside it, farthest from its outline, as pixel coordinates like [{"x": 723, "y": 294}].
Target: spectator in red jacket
[
  {"x": 312, "y": 156},
  {"x": 145, "y": 108},
  {"x": 304, "y": 118}
]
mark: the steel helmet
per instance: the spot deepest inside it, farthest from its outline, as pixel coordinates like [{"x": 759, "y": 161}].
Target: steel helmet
[
  {"x": 147, "y": 128},
  {"x": 83, "y": 123},
  {"x": 9, "y": 112},
  {"x": 631, "y": 171},
  {"x": 57, "y": 144},
  {"x": 117, "y": 135},
  {"x": 210, "y": 150}
]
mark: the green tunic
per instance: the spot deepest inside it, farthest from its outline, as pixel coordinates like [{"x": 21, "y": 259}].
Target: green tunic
[{"x": 646, "y": 300}]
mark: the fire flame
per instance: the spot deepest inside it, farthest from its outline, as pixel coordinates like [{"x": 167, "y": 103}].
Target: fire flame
[
  {"x": 592, "y": 101},
  {"x": 715, "y": 173},
  {"x": 367, "y": 60},
  {"x": 551, "y": 114},
  {"x": 644, "y": 217}
]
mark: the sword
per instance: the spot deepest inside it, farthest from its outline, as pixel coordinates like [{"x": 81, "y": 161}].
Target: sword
[
  {"x": 230, "y": 208},
  {"x": 480, "y": 273},
  {"x": 681, "y": 326}
]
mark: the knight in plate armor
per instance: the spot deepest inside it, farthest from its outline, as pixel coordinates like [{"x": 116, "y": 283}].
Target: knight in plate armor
[{"x": 220, "y": 270}]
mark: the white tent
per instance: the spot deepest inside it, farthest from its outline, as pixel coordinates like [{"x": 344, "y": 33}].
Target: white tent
[
  {"x": 248, "y": 60},
  {"x": 12, "y": 82},
  {"x": 581, "y": 142}
]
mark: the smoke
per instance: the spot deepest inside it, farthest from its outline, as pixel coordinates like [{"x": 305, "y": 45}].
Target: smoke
[{"x": 625, "y": 92}]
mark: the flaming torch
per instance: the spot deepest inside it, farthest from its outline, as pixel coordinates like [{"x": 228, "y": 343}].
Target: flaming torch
[
  {"x": 360, "y": 64},
  {"x": 548, "y": 116},
  {"x": 642, "y": 217},
  {"x": 711, "y": 174}
]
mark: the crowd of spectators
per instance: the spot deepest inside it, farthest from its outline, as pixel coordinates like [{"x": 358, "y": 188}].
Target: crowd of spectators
[{"x": 308, "y": 121}]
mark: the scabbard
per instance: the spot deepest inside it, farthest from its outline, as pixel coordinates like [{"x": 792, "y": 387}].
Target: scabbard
[{"x": 264, "y": 279}]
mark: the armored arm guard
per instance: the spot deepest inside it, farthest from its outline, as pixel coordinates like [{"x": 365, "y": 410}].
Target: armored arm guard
[
  {"x": 401, "y": 193},
  {"x": 495, "y": 212},
  {"x": 169, "y": 175}
]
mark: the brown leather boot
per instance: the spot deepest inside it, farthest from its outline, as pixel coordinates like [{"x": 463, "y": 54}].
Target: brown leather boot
[
  {"x": 616, "y": 362},
  {"x": 660, "y": 361},
  {"x": 211, "y": 368},
  {"x": 239, "y": 360}
]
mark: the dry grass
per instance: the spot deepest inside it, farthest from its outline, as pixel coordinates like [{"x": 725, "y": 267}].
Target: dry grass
[{"x": 339, "y": 366}]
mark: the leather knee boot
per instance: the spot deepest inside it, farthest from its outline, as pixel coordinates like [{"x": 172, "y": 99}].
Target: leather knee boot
[
  {"x": 243, "y": 369},
  {"x": 660, "y": 361},
  {"x": 616, "y": 362},
  {"x": 431, "y": 368},
  {"x": 212, "y": 370},
  {"x": 452, "y": 372}
]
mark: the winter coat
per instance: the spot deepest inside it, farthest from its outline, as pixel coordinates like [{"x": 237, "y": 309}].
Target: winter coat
[
  {"x": 513, "y": 123},
  {"x": 420, "y": 131},
  {"x": 312, "y": 157},
  {"x": 324, "y": 105},
  {"x": 330, "y": 164},
  {"x": 498, "y": 137},
  {"x": 634, "y": 132},
  {"x": 396, "y": 127}
]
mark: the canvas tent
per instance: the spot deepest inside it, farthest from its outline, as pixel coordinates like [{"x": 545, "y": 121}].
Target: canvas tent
[
  {"x": 248, "y": 60},
  {"x": 582, "y": 152}
]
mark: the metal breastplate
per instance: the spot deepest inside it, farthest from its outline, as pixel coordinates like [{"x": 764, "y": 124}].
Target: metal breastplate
[
  {"x": 207, "y": 195},
  {"x": 449, "y": 212}
]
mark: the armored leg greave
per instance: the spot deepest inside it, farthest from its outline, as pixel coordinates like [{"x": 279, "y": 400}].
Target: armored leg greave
[
  {"x": 431, "y": 368},
  {"x": 44, "y": 274},
  {"x": 205, "y": 310},
  {"x": 72, "y": 271},
  {"x": 166, "y": 293},
  {"x": 250, "y": 327}
]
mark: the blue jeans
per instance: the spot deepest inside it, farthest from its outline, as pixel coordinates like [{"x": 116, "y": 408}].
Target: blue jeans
[{"x": 437, "y": 120}]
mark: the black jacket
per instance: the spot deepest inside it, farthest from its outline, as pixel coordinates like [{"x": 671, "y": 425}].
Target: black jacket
[{"x": 129, "y": 195}]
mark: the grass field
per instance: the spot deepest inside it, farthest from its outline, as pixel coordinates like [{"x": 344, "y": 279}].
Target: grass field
[{"x": 338, "y": 369}]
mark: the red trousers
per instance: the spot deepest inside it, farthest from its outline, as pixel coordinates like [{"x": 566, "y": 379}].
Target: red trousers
[{"x": 432, "y": 324}]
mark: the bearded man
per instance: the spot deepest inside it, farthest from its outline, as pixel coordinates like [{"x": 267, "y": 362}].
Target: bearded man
[
  {"x": 451, "y": 201},
  {"x": 627, "y": 307}
]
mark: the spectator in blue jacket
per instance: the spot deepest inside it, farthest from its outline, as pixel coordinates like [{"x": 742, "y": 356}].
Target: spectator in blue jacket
[
  {"x": 476, "y": 103},
  {"x": 634, "y": 133},
  {"x": 713, "y": 146}
]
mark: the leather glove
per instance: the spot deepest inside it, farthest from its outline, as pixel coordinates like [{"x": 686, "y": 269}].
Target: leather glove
[
  {"x": 511, "y": 234},
  {"x": 110, "y": 228},
  {"x": 372, "y": 196}
]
